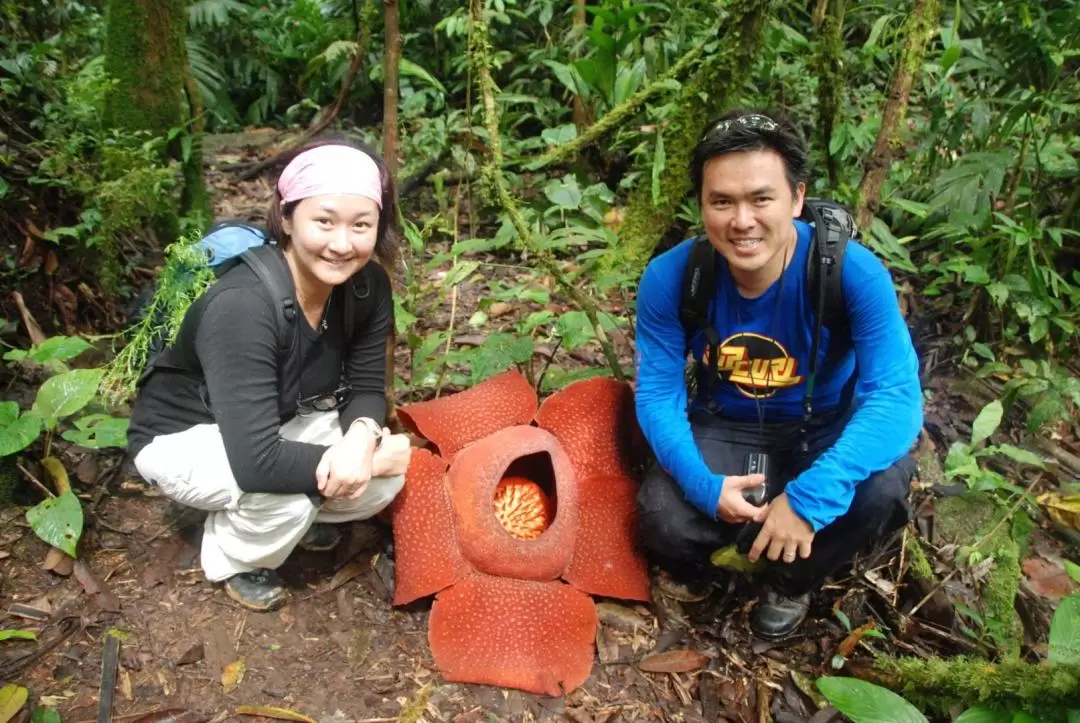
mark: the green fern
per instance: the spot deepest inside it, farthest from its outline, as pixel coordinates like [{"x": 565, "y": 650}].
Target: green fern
[{"x": 185, "y": 277}]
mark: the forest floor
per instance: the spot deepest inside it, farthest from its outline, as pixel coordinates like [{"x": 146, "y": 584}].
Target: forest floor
[{"x": 338, "y": 651}]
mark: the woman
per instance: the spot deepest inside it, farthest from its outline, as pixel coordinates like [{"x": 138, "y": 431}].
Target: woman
[{"x": 220, "y": 430}]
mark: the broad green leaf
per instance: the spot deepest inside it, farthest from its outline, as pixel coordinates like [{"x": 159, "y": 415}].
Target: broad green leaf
[
  {"x": 1074, "y": 715},
  {"x": 58, "y": 348},
  {"x": 413, "y": 70},
  {"x": 998, "y": 291},
  {"x": 12, "y": 699},
  {"x": 987, "y": 422},
  {"x": 983, "y": 715},
  {"x": 479, "y": 318},
  {"x": 729, "y": 558},
  {"x": 58, "y": 521},
  {"x": 45, "y": 715},
  {"x": 9, "y": 412},
  {"x": 559, "y": 135},
  {"x": 865, "y": 702},
  {"x": 17, "y": 635},
  {"x": 459, "y": 273},
  {"x": 575, "y": 329},
  {"x": 63, "y": 395},
  {"x": 1039, "y": 329},
  {"x": 1020, "y": 455},
  {"x": 98, "y": 431},
  {"x": 983, "y": 350},
  {"x": 498, "y": 353},
  {"x": 564, "y": 193},
  {"x": 1065, "y": 632},
  {"x": 1073, "y": 569},
  {"x": 976, "y": 274},
  {"x": 19, "y": 434}
]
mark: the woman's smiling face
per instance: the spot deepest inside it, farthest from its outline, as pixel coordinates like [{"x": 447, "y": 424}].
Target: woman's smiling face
[{"x": 332, "y": 237}]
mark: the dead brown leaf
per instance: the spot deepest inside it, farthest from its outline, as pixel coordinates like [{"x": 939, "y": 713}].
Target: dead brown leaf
[
  {"x": 66, "y": 304},
  {"x": 1047, "y": 579},
  {"x": 268, "y": 711},
  {"x": 37, "y": 336},
  {"x": 106, "y": 598},
  {"x": 347, "y": 573},
  {"x": 58, "y": 561},
  {"x": 674, "y": 661},
  {"x": 499, "y": 308},
  {"x": 848, "y": 645},
  {"x": 51, "y": 262},
  {"x": 233, "y": 675}
]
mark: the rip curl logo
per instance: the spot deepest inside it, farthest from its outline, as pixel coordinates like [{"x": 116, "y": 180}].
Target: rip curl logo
[{"x": 757, "y": 365}]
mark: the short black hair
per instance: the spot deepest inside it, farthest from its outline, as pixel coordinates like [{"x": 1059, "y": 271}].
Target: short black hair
[{"x": 785, "y": 139}]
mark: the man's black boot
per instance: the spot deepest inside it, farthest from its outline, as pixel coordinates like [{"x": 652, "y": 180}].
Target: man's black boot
[
  {"x": 258, "y": 590},
  {"x": 778, "y": 615},
  {"x": 320, "y": 537}
]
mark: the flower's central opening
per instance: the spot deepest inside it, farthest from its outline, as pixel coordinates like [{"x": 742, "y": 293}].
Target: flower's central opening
[{"x": 525, "y": 501}]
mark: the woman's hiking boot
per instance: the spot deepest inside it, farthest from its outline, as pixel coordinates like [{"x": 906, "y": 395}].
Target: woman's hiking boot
[
  {"x": 320, "y": 537},
  {"x": 258, "y": 590}
]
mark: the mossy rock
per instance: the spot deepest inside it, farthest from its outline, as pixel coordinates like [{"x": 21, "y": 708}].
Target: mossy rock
[{"x": 965, "y": 520}]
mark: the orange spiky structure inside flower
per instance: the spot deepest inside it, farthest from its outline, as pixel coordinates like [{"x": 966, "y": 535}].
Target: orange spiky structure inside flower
[{"x": 522, "y": 508}]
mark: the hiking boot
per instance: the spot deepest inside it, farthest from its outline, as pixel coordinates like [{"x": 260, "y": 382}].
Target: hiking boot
[
  {"x": 320, "y": 537},
  {"x": 258, "y": 590},
  {"x": 778, "y": 615}
]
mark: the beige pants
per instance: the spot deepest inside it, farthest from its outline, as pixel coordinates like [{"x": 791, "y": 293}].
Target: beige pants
[{"x": 250, "y": 530}]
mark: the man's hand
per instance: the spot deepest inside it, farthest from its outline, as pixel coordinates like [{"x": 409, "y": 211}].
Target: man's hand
[
  {"x": 393, "y": 455},
  {"x": 732, "y": 507},
  {"x": 784, "y": 533}
]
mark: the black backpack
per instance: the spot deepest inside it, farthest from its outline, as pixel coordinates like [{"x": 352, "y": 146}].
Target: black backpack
[
  {"x": 833, "y": 227},
  {"x": 265, "y": 259}
]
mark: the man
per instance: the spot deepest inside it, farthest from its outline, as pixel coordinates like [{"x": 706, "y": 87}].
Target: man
[{"x": 835, "y": 484}]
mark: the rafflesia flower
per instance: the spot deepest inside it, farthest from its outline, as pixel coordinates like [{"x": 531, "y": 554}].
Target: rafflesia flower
[{"x": 512, "y": 502}]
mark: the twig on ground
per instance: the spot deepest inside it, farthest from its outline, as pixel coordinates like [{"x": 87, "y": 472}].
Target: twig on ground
[{"x": 35, "y": 481}]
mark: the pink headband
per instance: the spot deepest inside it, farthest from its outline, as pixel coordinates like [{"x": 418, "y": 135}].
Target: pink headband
[{"x": 331, "y": 171}]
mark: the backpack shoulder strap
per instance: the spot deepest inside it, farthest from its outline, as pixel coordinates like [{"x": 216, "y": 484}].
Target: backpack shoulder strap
[
  {"x": 699, "y": 282},
  {"x": 357, "y": 294},
  {"x": 834, "y": 226},
  {"x": 269, "y": 266}
]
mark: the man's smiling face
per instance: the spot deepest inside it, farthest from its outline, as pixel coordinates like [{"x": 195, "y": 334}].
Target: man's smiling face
[{"x": 747, "y": 205}]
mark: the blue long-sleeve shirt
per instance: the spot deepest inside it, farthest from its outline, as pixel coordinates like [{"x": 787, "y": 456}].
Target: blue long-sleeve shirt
[{"x": 765, "y": 348}]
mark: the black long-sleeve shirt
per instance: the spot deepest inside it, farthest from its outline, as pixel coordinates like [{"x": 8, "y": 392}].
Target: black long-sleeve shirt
[{"x": 237, "y": 385}]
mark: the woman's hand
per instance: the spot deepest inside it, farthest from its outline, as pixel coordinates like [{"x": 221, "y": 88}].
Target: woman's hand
[
  {"x": 346, "y": 467},
  {"x": 392, "y": 456}
]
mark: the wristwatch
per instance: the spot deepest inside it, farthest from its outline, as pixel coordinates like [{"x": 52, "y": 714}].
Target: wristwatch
[{"x": 373, "y": 427}]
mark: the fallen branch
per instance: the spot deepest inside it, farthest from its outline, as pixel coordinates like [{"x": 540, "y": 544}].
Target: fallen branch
[
  {"x": 495, "y": 184},
  {"x": 620, "y": 113}
]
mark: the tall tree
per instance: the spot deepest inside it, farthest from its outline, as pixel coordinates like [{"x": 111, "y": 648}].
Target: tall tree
[
  {"x": 390, "y": 86},
  {"x": 828, "y": 23},
  {"x": 146, "y": 53},
  {"x": 919, "y": 28}
]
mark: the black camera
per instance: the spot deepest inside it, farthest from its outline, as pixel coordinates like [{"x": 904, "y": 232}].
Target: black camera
[{"x": 757, "y": 463}]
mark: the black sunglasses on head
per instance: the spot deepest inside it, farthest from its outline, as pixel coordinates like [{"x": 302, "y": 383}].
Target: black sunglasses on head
[{"x": 754, "y": 122}]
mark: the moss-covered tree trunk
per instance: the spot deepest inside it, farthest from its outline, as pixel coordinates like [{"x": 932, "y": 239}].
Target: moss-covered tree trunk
[
  {"x": 919, "y": 28},
  {"x": 829, "y": 29},
  {"x": 390, "y": 86},
  {"x": 146, "y": 53},
  {"x": 581, "y": 114},
  {"x": 716, "y": 82}
]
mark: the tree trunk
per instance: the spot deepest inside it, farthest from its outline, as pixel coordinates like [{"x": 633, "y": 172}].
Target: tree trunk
[
  {"x": 829, "y": 29},
  {"x": 720, "y": 78},
  {"x": 390, "y": 86},
  {"x": 146, "y": 53},
  {"x": 920, "y": 27},
  {"x": 581, "y": 114}
]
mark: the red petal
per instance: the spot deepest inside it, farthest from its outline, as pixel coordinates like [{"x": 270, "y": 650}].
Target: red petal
[
  {"x": 595, "y": 421},
  {"x": 458, "y": 420},
  {"x": 536, "y": 636},
  {"x": 606, "y": 561},
  {"x": 473, "y": 479},
  {"x": 426, "y": 553}
]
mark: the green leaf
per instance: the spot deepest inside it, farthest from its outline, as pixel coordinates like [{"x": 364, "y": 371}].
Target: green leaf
[
  {"x": 9, "y": 412},
  {"x": 63, "y": 395},
  {"x": 559, "y": 135},
  {"x": 45, "y": 715},
  {"x": 459, "y": 273},
  {"x": 1065, "y": 632},
  {"x": 575, "y": 329},
  {"x": 729, "y": 558},
  {"x": 865, "y": 702},
  {"x": 1020, "y": 455},
  {"x": 1073, "y": 569},
  {"x": 20, "y": 433},
  {"x": 58, "y": 521},
  {"x": 59, "y": 348},
  {"x": 479, "y": 318},
  {"x": 12, "y": 699},
  {"x": 659, "y": 163},
  {"x": 843, "y": 618},
  {"x": 1039, "y": 329},
  {"x": 98, "y": 431},
  {"x": 998, "y": 291},
  {"x": 987, "y": 422},
  {"x": 498, "y": 353},
  {"x": 411, "y": 69},
  {"x": 564, "y": 193},
  {"x": 17, "y": 635},
  {"x": 976, "y": 274},
  {"x": 983, "y": 350},
  {"x": 984, "y": 715}
]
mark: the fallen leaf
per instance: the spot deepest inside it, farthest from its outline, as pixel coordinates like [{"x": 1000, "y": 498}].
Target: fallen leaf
[
  {"x": 192, "y": 655},
  {"x": 125, "y": 685},
  {"x": 12, "y": 699},
  {"x": 268, "y": 711},
  {"x": 58, "y": 561},
  {"x": 1064, "y": 510},
  {"x": 729, "y": 558},
  {"x": 345, "y": 574},
  {"x": 848, "y": 645},
  {"x": 51, "y": 263},
  {"x": 172, "y": 715},
  {"x": 106, "y": 598},
  {"x": 499, "y": 308},
  {"x": 1047, "y": 579},
  {"x": 35, "y": 230},
  {"x": 673, "y": 661},
  {"x": 37, "y": 336},
  {"x": 620, "y": 617},
  {"x": 233, "y": 675},
  {"x": 57, "y": 474}
]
